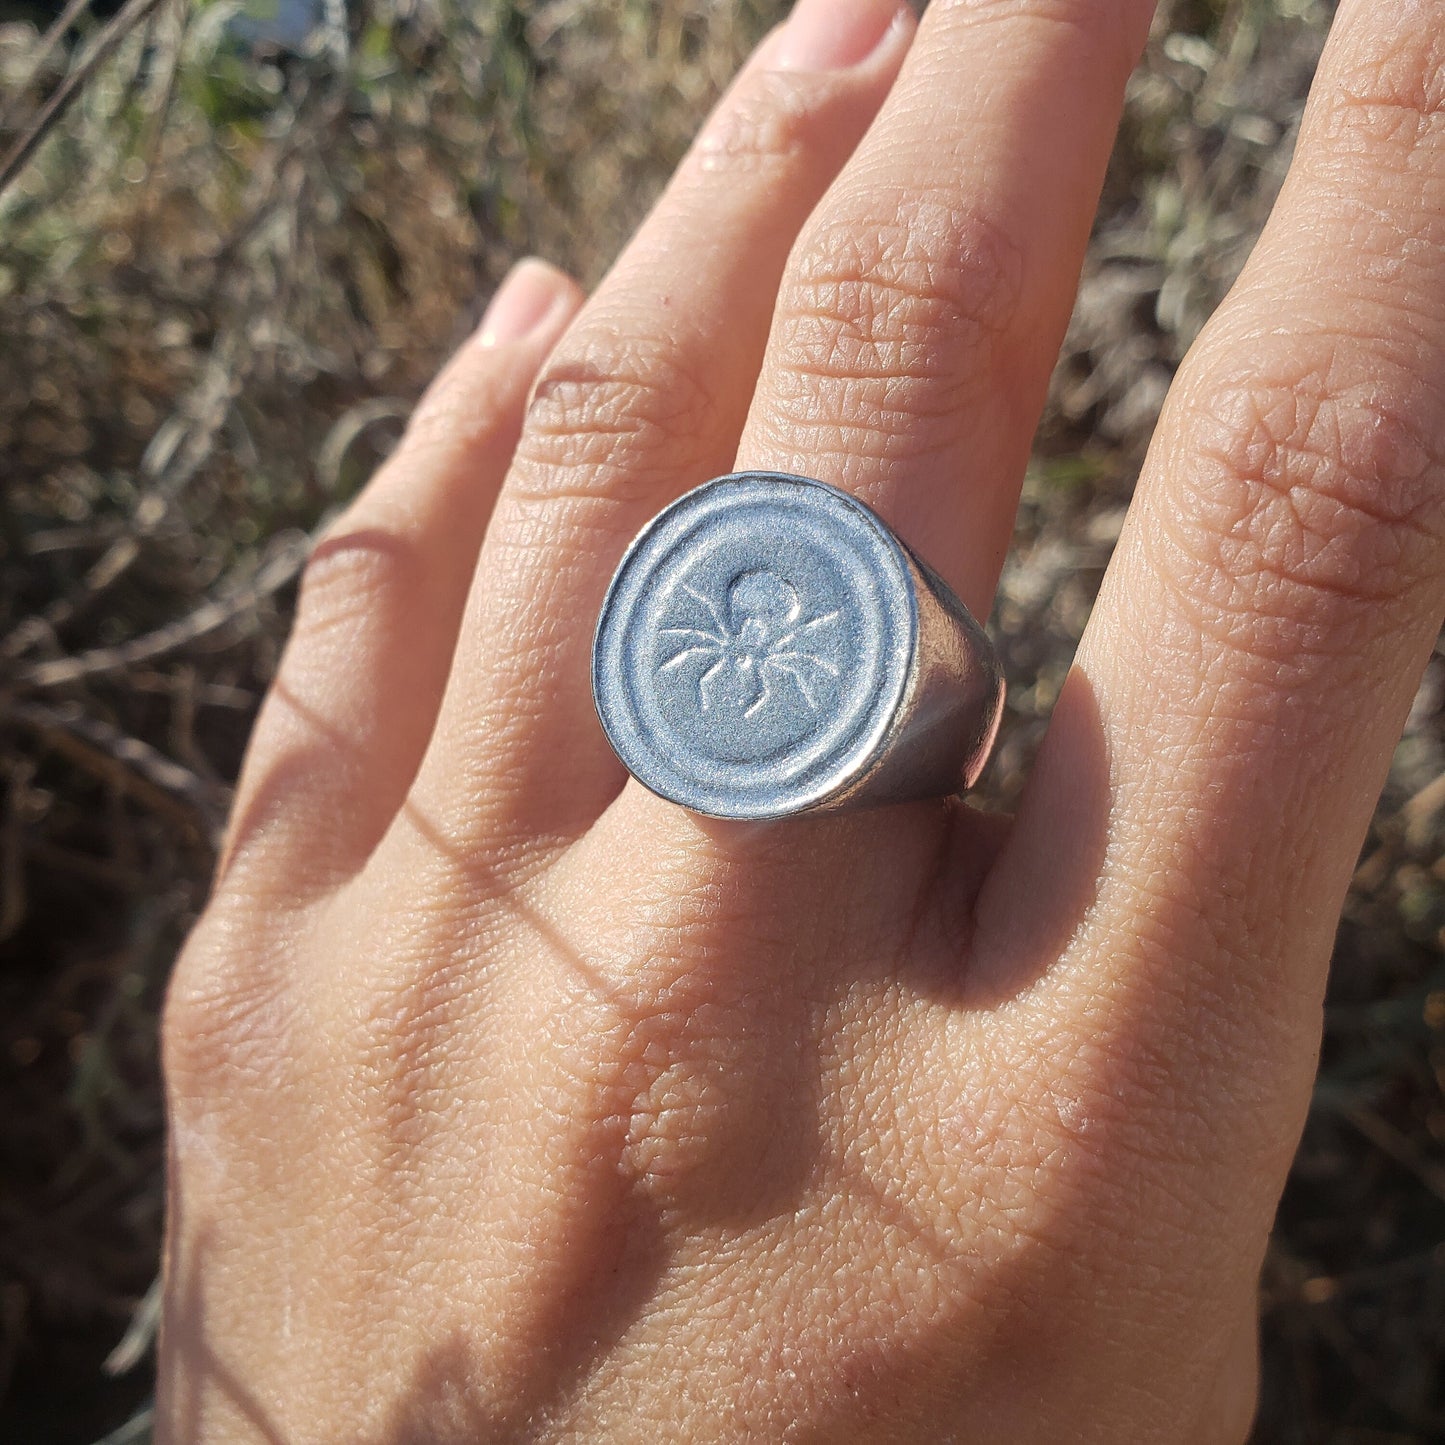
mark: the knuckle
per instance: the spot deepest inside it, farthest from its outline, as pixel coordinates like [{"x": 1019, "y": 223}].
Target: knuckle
[
  {"x": 1314, "y": 481},
  {"x": 462, "y": 415},
  {"x": 221, "y": 1026},
  {"x": 1113, "y": 31},
  {"x": 610, "y": 406},
  {"x": 773, "y": 118},
  {"x": 349, "y": 578},
  {"x": 688, "y": 1134},
  {"x": 886, "y": 324},
  {"x": 1394, "y": 91}
]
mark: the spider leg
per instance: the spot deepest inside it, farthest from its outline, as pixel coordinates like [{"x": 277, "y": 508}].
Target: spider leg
[
  {"x": 678, "y": 658},
  {"x": 724, "y": 632},
  {"x": 706, "y": 678},
  {"x": 787, "y": 637},
  {"x": 789, "y": 670},
  {"x": 690, "y": 632},
  {"x": 792, "y": 657},
  {"x": 760, "y": 701}
]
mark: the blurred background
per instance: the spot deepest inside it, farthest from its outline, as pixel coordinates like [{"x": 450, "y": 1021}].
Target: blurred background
[{"x": 235, "y": 242}]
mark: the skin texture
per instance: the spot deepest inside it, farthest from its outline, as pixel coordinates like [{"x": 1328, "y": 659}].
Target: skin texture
[{"x": 509, "y": 1102}]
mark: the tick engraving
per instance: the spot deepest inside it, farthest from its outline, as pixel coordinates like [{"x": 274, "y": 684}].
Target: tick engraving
[{"x": 756, "y": 633}]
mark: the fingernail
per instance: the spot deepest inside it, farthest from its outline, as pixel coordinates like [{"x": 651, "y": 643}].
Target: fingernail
[
  {"x": 522, "y": 302},
  {"x": 835, "y": 34}
]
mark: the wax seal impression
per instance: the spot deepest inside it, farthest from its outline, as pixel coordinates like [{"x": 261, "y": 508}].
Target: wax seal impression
[{"x": 768, "y": 646}]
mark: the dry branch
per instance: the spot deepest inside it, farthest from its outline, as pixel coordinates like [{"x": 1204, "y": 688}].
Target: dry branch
[
  {"x": 48, "y": 116},
  {"x": 280, "y": 569},
  {"x": 154, "y": 780}
]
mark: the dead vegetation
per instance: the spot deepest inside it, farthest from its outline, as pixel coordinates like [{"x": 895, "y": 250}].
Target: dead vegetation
[{"x": 225, "y": 273}]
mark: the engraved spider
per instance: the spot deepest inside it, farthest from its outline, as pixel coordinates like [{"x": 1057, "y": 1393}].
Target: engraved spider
[{"x": 757, "y": 633}]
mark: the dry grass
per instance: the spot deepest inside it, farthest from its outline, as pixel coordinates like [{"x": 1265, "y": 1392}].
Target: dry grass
[{"x": 223, "y": 279}]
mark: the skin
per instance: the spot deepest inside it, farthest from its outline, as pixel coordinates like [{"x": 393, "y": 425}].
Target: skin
[{"x": 510, "y": 1102}]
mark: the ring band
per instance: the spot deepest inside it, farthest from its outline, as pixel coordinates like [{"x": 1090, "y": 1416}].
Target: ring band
[{"x": 769, "y": 646}]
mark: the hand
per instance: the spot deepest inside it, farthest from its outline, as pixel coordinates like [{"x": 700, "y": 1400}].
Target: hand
[{"x": 509, "y": 1101}]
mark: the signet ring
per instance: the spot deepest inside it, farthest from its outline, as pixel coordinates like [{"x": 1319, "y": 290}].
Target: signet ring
[{"x": 769, "y": 646}]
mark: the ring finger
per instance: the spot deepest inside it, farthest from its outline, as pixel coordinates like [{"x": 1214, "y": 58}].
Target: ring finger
[{"x": 921, "y": 314}]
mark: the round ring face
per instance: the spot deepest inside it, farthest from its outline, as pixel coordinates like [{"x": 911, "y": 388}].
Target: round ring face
[{"x": 755, "y": 645}]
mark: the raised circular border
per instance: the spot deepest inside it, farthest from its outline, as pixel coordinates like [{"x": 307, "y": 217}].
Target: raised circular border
[{"x": 852, "y": 754}]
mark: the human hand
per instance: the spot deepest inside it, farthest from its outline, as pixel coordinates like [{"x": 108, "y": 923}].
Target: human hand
[{"x": 510, "y": 1101}]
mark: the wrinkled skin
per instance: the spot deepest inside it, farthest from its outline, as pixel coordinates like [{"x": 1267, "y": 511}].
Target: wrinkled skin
[{"x": 511, "y": 1102}]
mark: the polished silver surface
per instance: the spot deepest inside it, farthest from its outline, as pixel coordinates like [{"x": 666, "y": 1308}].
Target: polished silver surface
[{"x": 769, "y": 647}]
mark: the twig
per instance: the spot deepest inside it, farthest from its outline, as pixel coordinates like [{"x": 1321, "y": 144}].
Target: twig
[
  {"x": 333, "y": 25},
  {"x": 115, "y": 876},
  {"x": 76, "y": 538},
  {"x": 162, "y": 97},
  {"x": 52, "y": 37},
  {"x": 102, "y": 574},
  {"x": 209, "y": 617},
  {"x": 135, "y": 767},
  {"x": 13, "y": 901},
  {"x": 1398, "y": 1146},
  {"x": 139, "y": 1335},
  {"x": 136, "y": 1431},
  {"x": 1420, "y": 811},
  {"x": 126, "y": 19},
  {"x": 201, "y": 693},
  {"x": 347, "y": 430},
  {"x": 182, "y": 443}
]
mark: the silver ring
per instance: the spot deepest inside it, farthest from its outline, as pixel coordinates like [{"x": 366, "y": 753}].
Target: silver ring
[{"x": 769, "y": 646}]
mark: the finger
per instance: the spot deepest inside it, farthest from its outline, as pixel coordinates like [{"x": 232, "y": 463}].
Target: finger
[
  {"x": 643, "y": 399},
  {"x": 922, "y": 312},
  {"x": 923, "y": 307},
  {"x": 353, "y": 704},
  {"x": 1260, "y": 634}
]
